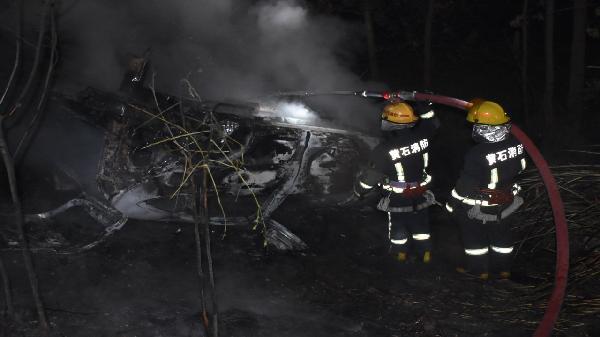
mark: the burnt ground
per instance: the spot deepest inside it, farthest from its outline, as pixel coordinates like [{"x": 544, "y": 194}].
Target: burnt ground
[{"x": 143, "y": 281}]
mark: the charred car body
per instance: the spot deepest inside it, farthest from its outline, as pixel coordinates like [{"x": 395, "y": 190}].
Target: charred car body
[{"x": 260, "y": 154}]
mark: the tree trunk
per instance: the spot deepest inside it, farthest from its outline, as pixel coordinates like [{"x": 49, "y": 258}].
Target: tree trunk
[
  {"x": 209, "y": 260},
  {"x": 27, "y": 258},
  {"x": 524, "y": 62},
  {"x": 7, "y": 294},
  {"x": 549, "y": 50},
  {"x": 427, "y": 45},
  {"x": 372, "y": 49},
  {"x": 577, "y": 70}
]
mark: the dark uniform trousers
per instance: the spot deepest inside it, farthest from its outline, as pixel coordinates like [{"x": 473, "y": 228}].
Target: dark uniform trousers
[
  {"x": 485, "y": 243},
  {"x": 408, "y": 228}
]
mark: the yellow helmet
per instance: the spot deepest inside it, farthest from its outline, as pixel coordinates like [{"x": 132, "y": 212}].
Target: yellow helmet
[
  {"x": 399, "y": 113},
  {"x": 487, "y": 112}
]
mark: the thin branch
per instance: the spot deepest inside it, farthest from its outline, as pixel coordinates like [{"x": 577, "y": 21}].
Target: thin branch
[
  {"x": 6, "y": 286},
  {"x": 10, "y": 169},
  {"x": 36, "y": 61},
  {"x": 34, "y": 123},
  {"x": 199, "y": 269},
  {"x": 17, "y": 51}
]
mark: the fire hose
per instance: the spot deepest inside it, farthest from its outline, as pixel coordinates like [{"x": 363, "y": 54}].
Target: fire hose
[{"x": 555, "y": 301}]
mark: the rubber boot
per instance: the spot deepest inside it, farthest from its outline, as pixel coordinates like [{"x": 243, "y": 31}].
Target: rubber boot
[
  {"x": 501, "y": 263},
  {"x": 504, "y": 275},
  {"x": 399, "y": 252},
  {"x": 427, "y": 257},
  {"x": 401, "y": 256}
]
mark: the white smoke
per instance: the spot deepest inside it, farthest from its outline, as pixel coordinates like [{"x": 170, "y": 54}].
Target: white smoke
[
  {"x": 283, "y": 15},
  {"x": 239, "y": 49},
  {"x": 226, "y": 48}
]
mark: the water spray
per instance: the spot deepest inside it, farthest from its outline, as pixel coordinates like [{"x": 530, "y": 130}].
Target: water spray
[
  {"x": 555, "y": 301},
  {"x": 385, "y": 95}
]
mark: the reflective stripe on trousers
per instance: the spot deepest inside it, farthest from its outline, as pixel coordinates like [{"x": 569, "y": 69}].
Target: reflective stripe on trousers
[
  {"x": 477, "y": 251},
  {"x": 502, "y": 250},
  {"x": 421, "y": 237}
]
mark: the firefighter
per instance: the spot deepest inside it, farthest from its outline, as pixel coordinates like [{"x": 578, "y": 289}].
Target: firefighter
[
  {"x": 486, "y": 195},
  {"x": 398, "y": 166}
]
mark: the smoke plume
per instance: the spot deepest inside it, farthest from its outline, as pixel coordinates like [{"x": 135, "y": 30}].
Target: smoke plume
[{"x": 226, "y": 48}]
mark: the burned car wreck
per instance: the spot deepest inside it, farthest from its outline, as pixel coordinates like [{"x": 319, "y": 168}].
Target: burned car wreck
[{"x": 259, "y": 154}]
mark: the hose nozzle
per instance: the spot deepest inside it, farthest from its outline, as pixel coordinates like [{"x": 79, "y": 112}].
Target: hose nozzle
[
  {"x": 372, "y": 94},
  {"x": 404, "y": 95}
]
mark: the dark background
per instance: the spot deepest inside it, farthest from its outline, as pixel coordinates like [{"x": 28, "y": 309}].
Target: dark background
[
  {"x": 231, "y": 50},
  {"x": 143, "y": 282}
]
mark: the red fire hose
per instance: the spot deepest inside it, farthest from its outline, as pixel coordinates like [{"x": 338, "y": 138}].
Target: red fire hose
[{"x": 562, "y": 234}]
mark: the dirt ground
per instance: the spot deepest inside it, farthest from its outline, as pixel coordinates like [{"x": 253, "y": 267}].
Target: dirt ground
[{"x": 143, "y": 281}]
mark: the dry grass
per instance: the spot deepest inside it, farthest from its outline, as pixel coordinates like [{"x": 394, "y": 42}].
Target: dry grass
[
  {"x": 579, "y": 185},
  {"x": 202, "y": 144}
]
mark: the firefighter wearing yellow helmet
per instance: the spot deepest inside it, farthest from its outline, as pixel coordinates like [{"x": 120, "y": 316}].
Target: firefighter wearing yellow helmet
[
  {"x": 487, "y": 112},
  {"x": 486, "y": 195},
  {"x": 398, "y": 168},
  {"x": 398, "y": 113}
]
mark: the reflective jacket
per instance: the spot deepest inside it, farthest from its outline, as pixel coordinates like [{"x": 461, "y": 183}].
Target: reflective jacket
[
  {"x": 489, "y": 172},
  {"x": 399, "y": 163}
]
